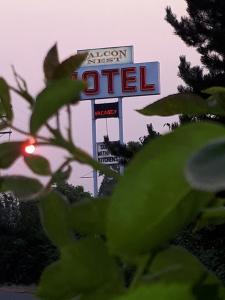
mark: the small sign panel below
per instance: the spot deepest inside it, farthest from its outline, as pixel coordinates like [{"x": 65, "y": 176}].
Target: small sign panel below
[
  {"x": 104, "y": 156},
  {"x": 106, "y": 110}
]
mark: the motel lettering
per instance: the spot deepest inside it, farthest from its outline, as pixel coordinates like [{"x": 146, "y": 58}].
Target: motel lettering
[{"x": 119, "y": 80}]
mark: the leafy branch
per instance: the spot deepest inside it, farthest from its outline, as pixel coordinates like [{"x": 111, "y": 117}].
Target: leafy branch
[{"x": 164, "y": 188}]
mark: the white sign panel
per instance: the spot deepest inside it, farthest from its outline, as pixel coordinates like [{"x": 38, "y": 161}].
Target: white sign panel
[
  {"x": 104, "y": 156},
  {"x": 119, "y": 80},
  {"x": 108, "y": 56}
]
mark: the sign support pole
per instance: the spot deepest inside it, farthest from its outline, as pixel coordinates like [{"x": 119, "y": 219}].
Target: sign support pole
[
  {"x": 94, "y": 150},
  {"x": 120, "y": 120},
  {"x": 120, "y": 104}
]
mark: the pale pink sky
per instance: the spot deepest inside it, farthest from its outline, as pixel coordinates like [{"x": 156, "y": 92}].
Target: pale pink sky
[{"x": 28, "y": 28}]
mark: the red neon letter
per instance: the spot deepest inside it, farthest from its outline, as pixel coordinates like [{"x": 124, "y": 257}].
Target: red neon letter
[
  {"x": 144, "y": 86},
  {"x": 95, "y": 76},
  {"x": 126, "y": 79},
  {"x": 110, "y": 73}
]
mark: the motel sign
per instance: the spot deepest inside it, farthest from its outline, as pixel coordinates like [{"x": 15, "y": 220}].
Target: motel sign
[
  {"x": 112, "y": 73},
  {"x": 120, "y": 80}
]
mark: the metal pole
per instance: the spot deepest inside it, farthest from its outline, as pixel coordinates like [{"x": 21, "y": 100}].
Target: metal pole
[
  {"x": 120, "y": 104},
  {"x": 94, "y": 150},
  {"x": 120, "y": 120}
]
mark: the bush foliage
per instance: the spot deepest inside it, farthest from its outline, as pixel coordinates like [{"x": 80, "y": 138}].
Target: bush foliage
[{"x": 166, "y": 187}]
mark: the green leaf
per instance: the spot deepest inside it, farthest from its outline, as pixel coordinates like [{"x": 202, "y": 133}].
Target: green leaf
[
  {"x": 51, "y": 61},
  {"x": 91, "y": 263},
  {"x": 89, "y": 217},
  {"x": 9, "y": 152},
  {"x": 55, "y": 283},
  {"x": 68, "y": 66},
  {"x": 210, "y": 288},
  {"x": 84, "y": 158},
  {"x": 211, "y": 216},
  {"x": 188, "y": 104},
  {"x": 159, "y": 291},
  {"x": 38, "y": 164},
  {"x": 214, "y": 90},
  {"x": 5, "y": 99},
  {"x": 206, "y": 169},
  {"x": 62, "y": 176},
  {"x": 176, "y": 265},
  {"x": 23, "y": 187},
  {"x": 153, "y": 201},
  {"x": 217, "y": 100},
  {"x": 105, "y": 292},
  {"x": 214, "y": 212},
  {"x": 85, "y": 266},
  {"x": 25, "y": 95},
  {"x": 221, "y": 293},
  {"x": 54, "y": 212},
  {"x": 52, "y": 98}
]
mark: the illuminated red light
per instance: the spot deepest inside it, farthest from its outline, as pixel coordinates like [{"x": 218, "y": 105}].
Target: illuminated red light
[{"x": 30, "y": 149}]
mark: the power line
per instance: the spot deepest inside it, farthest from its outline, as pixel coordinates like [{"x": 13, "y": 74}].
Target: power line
[{"x": 85, "y": 175}]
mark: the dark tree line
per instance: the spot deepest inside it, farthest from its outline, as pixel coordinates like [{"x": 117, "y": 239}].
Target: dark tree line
[
  {"x": 25, "y": 249},
  {"x": 203, "y": 28}
]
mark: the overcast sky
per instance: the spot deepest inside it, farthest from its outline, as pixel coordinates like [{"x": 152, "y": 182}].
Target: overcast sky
[{"x": 28, "y": 28}]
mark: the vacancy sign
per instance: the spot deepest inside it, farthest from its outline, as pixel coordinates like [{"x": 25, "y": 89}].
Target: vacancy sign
[
  {"x": 120, "y": 80},
  {"x": 106, "y": 110},
  {"x": 108, "y": 56}
]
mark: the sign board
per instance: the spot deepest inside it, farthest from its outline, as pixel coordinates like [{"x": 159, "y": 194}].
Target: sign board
[
  {"x": 106, "y": 110},
  {"x": 122, "y": 80},
  {"x": 108, "y": 56},
  {"x": 104, "y": 156}
]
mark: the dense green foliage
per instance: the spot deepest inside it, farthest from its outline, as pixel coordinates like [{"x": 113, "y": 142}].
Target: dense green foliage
[
  {"x": 158, "y": 196},
  {"x": 207, "y": 244},
  {"x": 204, "y": 29},
  {"x": 74, "y": 194}
]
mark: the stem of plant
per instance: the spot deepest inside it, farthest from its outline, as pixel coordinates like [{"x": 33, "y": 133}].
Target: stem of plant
[
  {"x": 63, "y": 165},
  {"x": 146, "y": 260},
  {"x": 82, "y": 157},
  {"x": 27, "y": 133},
  {"x": 70, "y": 136}
]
